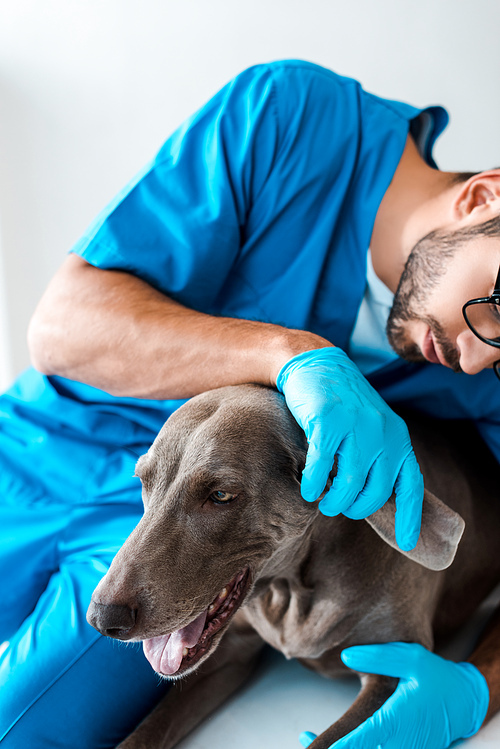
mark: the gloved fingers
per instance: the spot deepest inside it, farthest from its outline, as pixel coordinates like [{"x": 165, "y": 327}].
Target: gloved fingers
[
  {"x": 349, "y": 481},
  {"x": 376, "y": 492},
  {"x": 396, "y": 659},
  {"x": 409, "y": 489},
  {"x": 306, "y": 738},
  {"x": 316, "y": 472}
]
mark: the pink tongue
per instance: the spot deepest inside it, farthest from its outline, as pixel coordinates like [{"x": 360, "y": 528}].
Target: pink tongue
[{"x": 165, "y": 652}]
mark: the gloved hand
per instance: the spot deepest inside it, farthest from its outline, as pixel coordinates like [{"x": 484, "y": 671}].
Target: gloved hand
[
  {"x": 341, "y": 414},
  {"x": 435, "y": 703}
]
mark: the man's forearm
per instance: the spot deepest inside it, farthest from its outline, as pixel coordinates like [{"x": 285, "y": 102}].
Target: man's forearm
[{"x": 112, "y": 330}]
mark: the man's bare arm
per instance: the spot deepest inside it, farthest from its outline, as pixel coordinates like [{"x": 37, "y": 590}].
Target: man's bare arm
[{"x": 112, "y": 330}]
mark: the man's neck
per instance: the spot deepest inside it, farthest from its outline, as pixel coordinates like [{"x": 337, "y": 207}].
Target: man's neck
[{"x": 417, "y": 202}]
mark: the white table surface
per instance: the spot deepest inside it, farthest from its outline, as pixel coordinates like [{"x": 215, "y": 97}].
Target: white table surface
[{"x": 283, "y": 699}]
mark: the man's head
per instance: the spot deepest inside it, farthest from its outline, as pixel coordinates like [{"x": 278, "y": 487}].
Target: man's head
[{"x": 444, "y": 270}]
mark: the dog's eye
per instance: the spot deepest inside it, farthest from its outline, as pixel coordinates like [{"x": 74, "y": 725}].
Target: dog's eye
[{"x": 221, "y": 498}]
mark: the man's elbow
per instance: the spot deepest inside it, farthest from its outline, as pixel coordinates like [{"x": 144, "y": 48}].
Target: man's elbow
[
  {"x": 41, "y": 345},
  {"x": 53, "y": 342}
]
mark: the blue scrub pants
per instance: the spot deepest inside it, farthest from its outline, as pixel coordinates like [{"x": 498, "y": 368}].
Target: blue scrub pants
[{"x": 62, "y": 684}]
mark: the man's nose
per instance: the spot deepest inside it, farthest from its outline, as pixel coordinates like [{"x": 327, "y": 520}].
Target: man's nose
[{"x": 475, "y": 355}]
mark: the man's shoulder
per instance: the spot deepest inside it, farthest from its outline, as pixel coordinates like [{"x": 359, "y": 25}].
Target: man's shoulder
[
  {"x": 294, "y": 67},
  {"x": 296, "y": 73},
  {"x": 302, "y": 87},
  {"x": 308, "y": 100}
]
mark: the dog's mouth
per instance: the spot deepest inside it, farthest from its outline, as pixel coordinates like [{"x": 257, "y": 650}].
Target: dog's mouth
[{"x": 182, "y": 649}]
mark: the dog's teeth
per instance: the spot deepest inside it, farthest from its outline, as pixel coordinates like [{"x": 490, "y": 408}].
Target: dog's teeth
[
  {"x": 185, "y": 652},
  {"x": 223, "y": 593},
  {"x": 211, "y": 608}
]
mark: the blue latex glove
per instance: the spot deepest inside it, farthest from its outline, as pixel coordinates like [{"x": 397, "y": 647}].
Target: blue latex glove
[
  {"x": 341, "y": 414},
  {"x": 435, "y": 702}
]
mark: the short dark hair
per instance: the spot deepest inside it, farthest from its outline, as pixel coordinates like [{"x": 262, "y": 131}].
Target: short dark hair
[
  {"x": 490, "y": 228},
  {"x": 449, "y": 242},
  {"x": 458, "y": 177}
]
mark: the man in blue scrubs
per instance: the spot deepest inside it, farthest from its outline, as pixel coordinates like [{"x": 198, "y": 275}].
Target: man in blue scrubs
[{"x": 264, "y": 243}]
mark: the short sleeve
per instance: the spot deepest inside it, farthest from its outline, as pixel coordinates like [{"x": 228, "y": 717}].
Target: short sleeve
[{"x": 177, "y": 224}]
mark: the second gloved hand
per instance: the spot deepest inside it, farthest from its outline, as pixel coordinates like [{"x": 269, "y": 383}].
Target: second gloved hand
[
  {"x": 435, "y": 703},
  {"x": 342, "y": 415}
]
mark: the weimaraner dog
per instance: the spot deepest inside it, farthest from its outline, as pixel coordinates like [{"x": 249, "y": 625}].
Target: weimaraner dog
[{"x": 228, "y": 556}]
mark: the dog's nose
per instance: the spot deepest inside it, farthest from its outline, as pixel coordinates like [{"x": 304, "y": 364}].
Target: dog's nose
[{"x": 113, "y": 620}]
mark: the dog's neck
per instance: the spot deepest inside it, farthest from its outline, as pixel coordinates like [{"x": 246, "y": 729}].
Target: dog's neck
[
  {"x": 288, "y": 560},
  {"x": 289, "y": 588}
]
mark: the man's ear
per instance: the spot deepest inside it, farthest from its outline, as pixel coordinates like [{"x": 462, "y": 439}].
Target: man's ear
[
  {"x": 440, "y": 533},
  {"x": 480, "y": 195}
]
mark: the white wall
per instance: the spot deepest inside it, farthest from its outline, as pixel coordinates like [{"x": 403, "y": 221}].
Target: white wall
[
  {"x": 90, "y": 88},
  {"x": 6, "y": 365}
]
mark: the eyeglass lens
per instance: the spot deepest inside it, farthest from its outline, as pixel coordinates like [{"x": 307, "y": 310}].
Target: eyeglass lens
[{"x": 484, "y": 318}]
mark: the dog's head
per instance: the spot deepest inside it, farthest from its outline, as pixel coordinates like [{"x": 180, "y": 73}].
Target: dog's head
[{"x": 221, "y": 491}]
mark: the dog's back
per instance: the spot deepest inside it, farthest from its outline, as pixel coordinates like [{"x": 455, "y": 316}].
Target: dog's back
[{"x": 459, "y": 468}]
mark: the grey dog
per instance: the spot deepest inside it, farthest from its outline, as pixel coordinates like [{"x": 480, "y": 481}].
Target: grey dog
[{"x": 228, "y": 556}]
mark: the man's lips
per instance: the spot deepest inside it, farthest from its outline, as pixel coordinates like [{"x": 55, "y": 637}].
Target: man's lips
[{"x": 432, "y": 352}]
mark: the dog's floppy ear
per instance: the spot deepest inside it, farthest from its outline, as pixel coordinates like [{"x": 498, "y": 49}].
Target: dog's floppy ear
[{"x": 440, "y": 533}]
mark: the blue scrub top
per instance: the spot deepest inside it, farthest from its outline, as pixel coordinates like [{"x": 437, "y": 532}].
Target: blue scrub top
[{"x": 261, "y": 206}]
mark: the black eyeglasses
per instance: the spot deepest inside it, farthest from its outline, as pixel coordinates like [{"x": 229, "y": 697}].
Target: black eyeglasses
[{"x": 483, "y": 318}]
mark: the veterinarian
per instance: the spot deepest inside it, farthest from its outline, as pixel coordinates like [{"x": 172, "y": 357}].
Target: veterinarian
[{"x": 268, "y": 242}]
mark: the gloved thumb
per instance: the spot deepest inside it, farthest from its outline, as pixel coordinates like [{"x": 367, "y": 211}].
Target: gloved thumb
[
  {"x": 306, "y": 738},
  {"x": 397, "y": 659}
]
